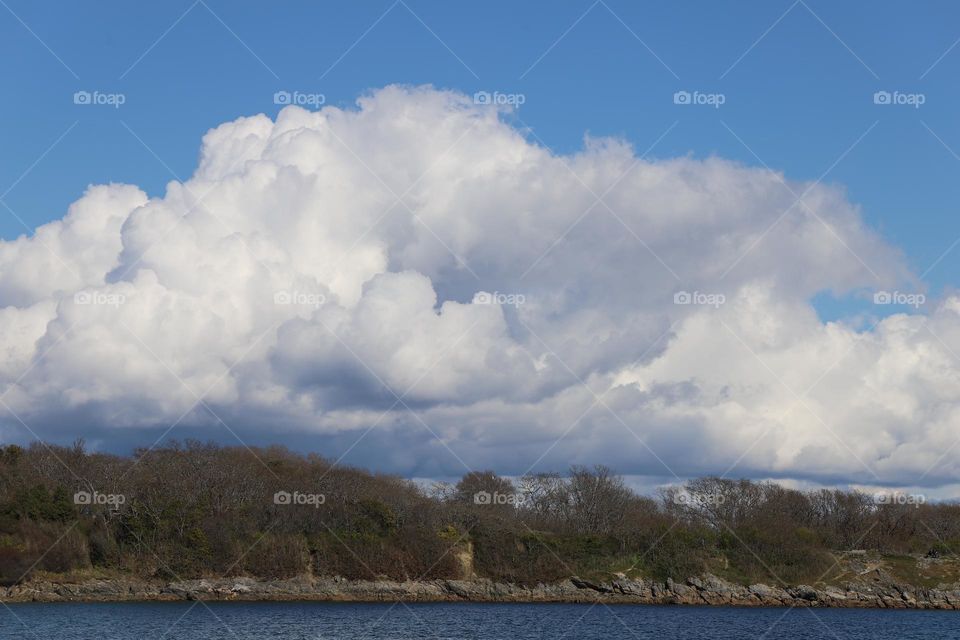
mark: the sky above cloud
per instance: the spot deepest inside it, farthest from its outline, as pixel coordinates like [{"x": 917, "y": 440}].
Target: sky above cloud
[{"x": 419, "y": 280}]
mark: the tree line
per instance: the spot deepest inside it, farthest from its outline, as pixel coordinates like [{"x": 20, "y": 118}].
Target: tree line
[{"x": 194, "y": 509}]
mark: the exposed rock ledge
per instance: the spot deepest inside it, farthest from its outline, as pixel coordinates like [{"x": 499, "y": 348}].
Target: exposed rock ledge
[{"x": 706, "y": 590}]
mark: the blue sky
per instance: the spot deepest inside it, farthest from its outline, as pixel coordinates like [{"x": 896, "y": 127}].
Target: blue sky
[
  {"x": 137, "y": 317},
  {"x": 798, "y": 80}
]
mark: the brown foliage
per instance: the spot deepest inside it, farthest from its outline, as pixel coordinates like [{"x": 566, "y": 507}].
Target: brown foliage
[{"x": 198, "y": 509}]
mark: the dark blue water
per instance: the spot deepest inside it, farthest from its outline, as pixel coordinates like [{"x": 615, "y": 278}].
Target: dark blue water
[{"x": 329, "y": 621}]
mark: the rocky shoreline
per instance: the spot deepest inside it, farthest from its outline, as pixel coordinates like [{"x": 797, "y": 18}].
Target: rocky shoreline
[{"x": 705, "y": 590}]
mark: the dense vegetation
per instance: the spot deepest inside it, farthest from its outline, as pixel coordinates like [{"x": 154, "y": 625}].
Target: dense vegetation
[{"x": 202, "y": 510}]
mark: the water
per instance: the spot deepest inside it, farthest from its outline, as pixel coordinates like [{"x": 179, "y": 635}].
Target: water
[{"x": 335, "y": 621}]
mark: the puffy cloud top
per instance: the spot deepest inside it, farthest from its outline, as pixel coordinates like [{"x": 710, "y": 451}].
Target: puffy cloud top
[{"x": 419, "y": 268}]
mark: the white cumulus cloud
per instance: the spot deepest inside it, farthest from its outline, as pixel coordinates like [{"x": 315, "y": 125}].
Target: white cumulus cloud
[{"x": 418, "y": 267}]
